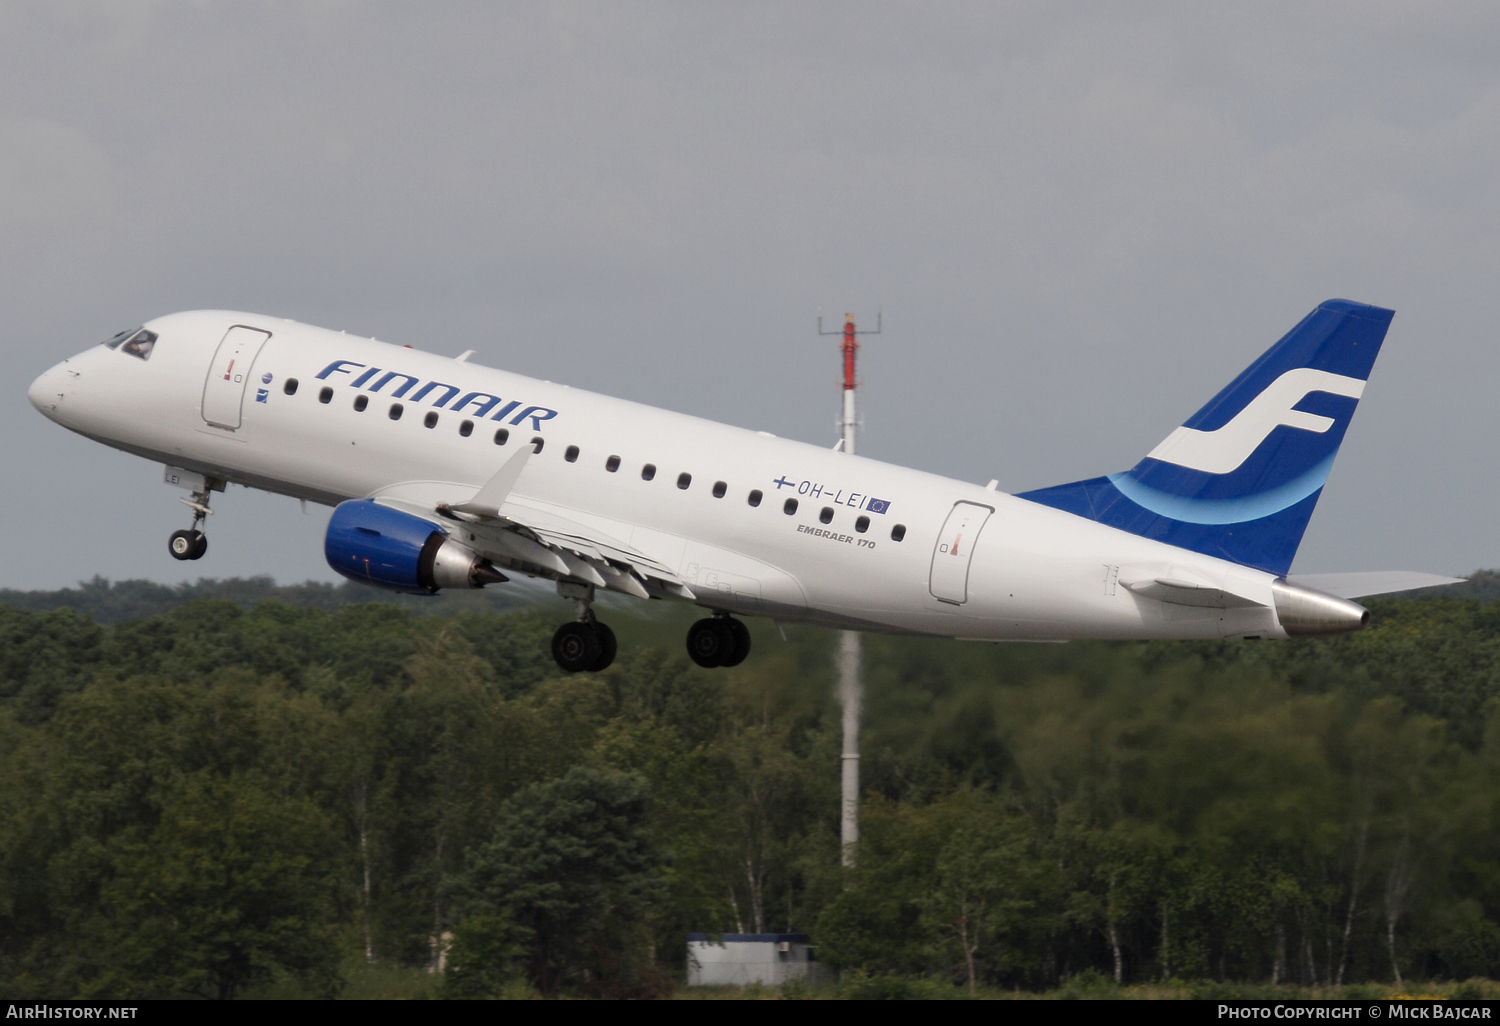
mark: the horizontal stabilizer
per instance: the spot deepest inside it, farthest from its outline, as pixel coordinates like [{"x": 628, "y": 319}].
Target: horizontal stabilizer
[{"x": 1373, "y": 582}]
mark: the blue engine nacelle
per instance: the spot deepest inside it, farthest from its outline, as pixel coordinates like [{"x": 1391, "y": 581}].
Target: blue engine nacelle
[{"x": 374, "y": 544}]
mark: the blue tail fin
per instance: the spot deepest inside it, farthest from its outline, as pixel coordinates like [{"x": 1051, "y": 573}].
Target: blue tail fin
[{"x": 1240, "y": 479}]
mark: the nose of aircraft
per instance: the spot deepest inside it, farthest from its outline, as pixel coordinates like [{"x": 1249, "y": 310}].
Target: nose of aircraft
[{"x": 46, "y": 391}]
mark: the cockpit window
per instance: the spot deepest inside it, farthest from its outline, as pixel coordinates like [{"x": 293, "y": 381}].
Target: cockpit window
[
  {"x": 140, "y": 344},
  {"x": 114, "y": 343}
]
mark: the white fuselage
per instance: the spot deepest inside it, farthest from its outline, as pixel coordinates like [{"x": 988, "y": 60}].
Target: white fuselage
[{"x": 1033, "y": 572}]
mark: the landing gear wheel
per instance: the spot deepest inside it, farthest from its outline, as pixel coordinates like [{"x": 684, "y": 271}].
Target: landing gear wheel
[
  {"x": 607, "y": 647},
  {"x": 577, "y": 646},
  {"x": 187, "y": 545},
  {"x": 711, "y": 642},
  {"x": 741, "y": 643}
]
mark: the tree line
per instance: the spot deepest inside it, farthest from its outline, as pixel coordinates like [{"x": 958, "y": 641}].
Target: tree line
[
  {"x": 205, "y": 801},
  {"x": 112, "y": 602}
]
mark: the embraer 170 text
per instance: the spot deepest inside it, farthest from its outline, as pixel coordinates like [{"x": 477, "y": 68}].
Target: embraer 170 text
[{"x": 445, "y": 474}]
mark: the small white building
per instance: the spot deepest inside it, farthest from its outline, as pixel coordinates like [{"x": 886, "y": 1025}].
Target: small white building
[{"x": 740, "y": 959}]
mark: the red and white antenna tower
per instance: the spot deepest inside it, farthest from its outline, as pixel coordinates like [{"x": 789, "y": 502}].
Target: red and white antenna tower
[
  {"x": 851, "y": 687},
  {"x": 849, "y": 347}
]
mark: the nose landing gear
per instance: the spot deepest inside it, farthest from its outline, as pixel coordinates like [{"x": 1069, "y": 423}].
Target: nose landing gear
[
  {"x": 192, "y": 543},
  {"x": 187, "y": 544},
  {"x": 585, "y": 645},
  {"x": 718, "y": 640}
]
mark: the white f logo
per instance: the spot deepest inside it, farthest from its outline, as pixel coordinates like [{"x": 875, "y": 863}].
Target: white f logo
[{"x": 1225, "y": 449}]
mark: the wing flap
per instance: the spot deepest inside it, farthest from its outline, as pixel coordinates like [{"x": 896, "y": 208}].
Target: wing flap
[{"x": 537, "y": 541}]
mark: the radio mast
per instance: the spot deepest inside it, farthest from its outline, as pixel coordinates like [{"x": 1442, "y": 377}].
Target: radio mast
[{"x": 851, "y": 687}]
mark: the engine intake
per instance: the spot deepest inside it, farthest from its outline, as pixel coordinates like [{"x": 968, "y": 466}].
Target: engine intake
[
  {"x": 1304, "y": 612},
  {"x": 374, "y": 544}
]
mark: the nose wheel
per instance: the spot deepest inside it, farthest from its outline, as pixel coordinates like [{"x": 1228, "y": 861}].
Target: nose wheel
[
  {"x": 192, "y": 543},
  {"x": 187, "y": 544},
  {"x": 718, "y": 641}
]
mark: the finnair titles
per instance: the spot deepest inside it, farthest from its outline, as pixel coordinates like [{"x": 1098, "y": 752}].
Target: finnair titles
[
  {"x": 483, "y": 403},
  {"x": 446, "y": 474}
]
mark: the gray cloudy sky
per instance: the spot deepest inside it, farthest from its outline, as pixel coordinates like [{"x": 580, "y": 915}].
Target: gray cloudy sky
[{"x": 1081, "y": 221}]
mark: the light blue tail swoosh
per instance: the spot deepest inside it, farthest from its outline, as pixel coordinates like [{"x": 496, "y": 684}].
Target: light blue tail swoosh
[
  {"x": 1215, "y": 484},
  {"x": 1224, "y": 511}
]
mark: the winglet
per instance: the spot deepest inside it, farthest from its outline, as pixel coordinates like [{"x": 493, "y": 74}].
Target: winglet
[{"x": 488, "y": 500}]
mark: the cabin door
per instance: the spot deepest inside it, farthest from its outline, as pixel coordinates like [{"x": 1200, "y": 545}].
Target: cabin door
[
  {"x": 224, "y": 391},
  {"x": 949, "y": 581}
]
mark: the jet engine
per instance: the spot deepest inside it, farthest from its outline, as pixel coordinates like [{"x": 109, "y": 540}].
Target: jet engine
[
  {"x": 1304, "y": 612},
  {"x": 374, "y": 544}
]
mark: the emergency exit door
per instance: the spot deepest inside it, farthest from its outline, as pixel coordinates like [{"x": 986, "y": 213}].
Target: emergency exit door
[
  {"x": 224, "y": 391},
  {"x": 949, "y": 581}
]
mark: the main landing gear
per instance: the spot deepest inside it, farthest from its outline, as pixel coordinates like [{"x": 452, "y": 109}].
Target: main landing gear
[
  {"x": 192, "y": 544},
  {"x": 719, "y": 640},
  {"x": 585, "y": 645}
]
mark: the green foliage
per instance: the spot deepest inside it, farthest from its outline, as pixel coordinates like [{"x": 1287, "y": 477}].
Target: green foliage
[
  {"x": 979, "y": 892},
  {"x": 572, "y": 872},
  {"x": 861, "y": 986},
  {"x": 231, "y": 885},
  {"x": 1090, "y": 983},
  {"x": 44, "y": 656},
  {"x": 483, "y": 956},
  {"x": 236, "y": 795},
  {"x": 124, "y": 601}
]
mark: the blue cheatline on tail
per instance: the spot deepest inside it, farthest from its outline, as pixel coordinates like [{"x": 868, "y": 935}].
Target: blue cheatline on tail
[{"x": 1240, "y": 479}]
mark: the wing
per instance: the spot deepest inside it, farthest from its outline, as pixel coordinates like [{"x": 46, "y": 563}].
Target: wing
[{"x": 524, "y": 537}]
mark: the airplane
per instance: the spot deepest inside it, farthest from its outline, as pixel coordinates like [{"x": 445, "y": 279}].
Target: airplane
[{"x": 446, "y": 474}]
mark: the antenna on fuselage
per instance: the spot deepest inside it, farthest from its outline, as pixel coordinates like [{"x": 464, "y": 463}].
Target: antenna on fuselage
[{"x": 851, "y": 687}]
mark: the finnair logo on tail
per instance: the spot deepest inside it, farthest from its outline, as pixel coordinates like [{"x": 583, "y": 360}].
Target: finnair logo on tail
[{"x": 1223, "y": 450}]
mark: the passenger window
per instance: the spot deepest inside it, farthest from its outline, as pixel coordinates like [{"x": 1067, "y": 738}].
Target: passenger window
[
  {"x": 396, "y": 410},
  {"x": 612, "y": 464},
  {"x": 141, "y": 344},
  {"x": 648, "y": 471},
  {"x": 502, "y": 436},
  {"x": 683, "y": 480},
  {"x": 466, "y": 428},
  {"x": 326, "y": 395},
  {"x": 290, "y": 386},
  {"x": 430, "y": 420},
  {"x": 719, "y": 489},
  {"x": 572, "y": 454},
  {"x": 826, "y": 515},
  {"x": 898, "y": 532},
  {"x": 360, "y": 402},
  {"x": 789, "y": 507},
  {"x": 754, "y": 498},
  {"x": 536, "y": 445},
  {"x": 862, "y": 525},
  {"x": 115, "y": 342}
]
